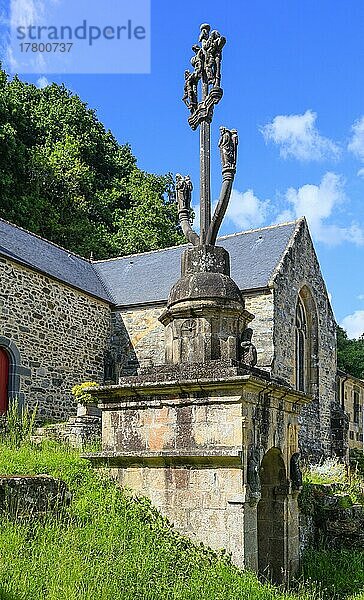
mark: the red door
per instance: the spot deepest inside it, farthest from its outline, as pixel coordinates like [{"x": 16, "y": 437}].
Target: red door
[{"x": 4, "y": 378}]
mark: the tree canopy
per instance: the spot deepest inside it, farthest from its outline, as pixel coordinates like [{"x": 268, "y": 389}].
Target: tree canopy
[
  {"x": 350, "y": 354},
  {"x": 66, "y": 178}
]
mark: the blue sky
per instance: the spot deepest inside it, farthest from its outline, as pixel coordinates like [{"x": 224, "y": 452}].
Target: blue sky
[{"x": 293, "y": 82}]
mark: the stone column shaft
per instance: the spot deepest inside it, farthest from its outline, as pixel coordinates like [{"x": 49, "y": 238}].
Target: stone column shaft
[{"x": 205, "y": 192}]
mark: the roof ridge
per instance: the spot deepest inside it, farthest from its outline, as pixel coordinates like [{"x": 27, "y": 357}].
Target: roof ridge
[
  {"x": 69, "y": 252},
  {"x": 223, "y": 237},
  {"x": 274, "y": 226}
]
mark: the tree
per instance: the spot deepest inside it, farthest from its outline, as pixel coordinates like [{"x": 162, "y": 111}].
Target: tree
[
  {"x": 66, "y": 178},
  {"x": 350, "y": 354}
]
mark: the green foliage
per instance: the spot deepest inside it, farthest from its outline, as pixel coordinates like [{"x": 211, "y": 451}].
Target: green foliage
[
  {"x": 109, "y": 545},
  {"x": 19, "y": 423},
  {"x": 330, "y": 478},
  {"x": 350, "y": 354},
  {"x": 66, "y": 178},
  {"x": 149, "y": 222},
  {"x": 328, "y": 471},
  {"x": 81, "y": 394},
  {"x": 340, "y": 574}
]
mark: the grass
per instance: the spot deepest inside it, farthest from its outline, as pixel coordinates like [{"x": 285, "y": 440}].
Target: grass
[
  {"x": 340, "y": 573},
  {"x": 109, "y": 546}
]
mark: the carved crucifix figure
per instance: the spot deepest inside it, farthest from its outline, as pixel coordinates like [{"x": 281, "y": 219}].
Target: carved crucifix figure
[{"x": 206, "y": 63}]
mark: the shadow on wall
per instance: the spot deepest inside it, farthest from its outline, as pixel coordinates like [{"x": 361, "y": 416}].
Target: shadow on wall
[
  {"x": 120, "y": 358},
  {"x": 272, "y": 516}
]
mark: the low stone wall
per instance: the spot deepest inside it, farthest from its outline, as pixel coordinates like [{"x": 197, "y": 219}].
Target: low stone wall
[
  {"x": 78, "y": 431},
  {"x": 329, "y": 519},
  {"x": 22, "y": 495}
]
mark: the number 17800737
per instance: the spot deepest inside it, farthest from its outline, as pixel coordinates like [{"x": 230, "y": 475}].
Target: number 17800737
[{"x": 45, "y": 47}]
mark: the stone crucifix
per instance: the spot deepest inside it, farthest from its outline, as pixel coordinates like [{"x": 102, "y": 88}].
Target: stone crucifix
[{"x": 206, "y": 74}]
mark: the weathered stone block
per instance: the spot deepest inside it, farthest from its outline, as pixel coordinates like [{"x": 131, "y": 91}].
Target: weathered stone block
[{"x": 22, "y": 495}]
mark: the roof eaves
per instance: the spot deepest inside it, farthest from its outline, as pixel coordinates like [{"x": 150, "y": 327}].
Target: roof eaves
[
  {"x": 32, "y": 267},
  {"x": 39, "y": 237},
  {"x": 342, "y": 373}
]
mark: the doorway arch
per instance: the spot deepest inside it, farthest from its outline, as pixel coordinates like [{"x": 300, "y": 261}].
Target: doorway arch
[
  {"x": 271, "y": 517},
  {"x": 4, "y": 380},
  {"x": 15, "y": 369}
]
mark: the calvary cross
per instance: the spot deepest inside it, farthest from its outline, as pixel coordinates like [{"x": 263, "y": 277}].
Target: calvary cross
[{"x": 206, "y": 64}]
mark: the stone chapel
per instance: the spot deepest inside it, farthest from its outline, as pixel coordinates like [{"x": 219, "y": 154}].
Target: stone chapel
[
  {"x": 65, "y": 320},
  {"x": 215, "y": 360}
]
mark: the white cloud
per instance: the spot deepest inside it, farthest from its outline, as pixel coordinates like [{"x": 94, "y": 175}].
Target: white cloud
[
  {"x": 361, "y": 297},
  {"x": 22, "y": 14},
  {"x": 356, "y": 144},
  {"x": 26, "y": 12},
  {"x": 360, "y": 173},
  {"x": 42, "y": 82},
  {"x": 4, "y": 19},
  {"x": 318, "y": 203},
  {"x": 245, "y": 210},
  {"x": 297, "y": 136},
  {"x": 354, "y": 324}
]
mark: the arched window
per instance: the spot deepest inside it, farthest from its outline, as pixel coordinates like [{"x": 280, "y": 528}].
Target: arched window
[
  {"x": 301, "y": 347},
  {"x": 306, "y": 343}
]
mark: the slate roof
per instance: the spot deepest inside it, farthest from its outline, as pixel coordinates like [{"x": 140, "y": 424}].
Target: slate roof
[
  {"x": 148, "y": 277},
  {"x": 35, "y": 252}
]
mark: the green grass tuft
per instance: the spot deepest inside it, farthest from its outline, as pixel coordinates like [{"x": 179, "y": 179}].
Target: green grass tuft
[{"x": 109, "y": 546}]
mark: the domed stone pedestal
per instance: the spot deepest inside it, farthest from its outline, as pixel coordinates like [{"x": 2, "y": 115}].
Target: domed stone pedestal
[{"x": 205, "y": 313}]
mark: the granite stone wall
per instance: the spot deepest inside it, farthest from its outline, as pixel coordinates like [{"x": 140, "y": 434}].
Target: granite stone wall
[
  {"x": 300, "y": 268},
  {"x": 139, "y": 335},
  {"x": 137, "y": 339},
  {"x": 197, "y": 454},
  {"x": 59, "y": 335},
  {"x": 262, "y": 307}
]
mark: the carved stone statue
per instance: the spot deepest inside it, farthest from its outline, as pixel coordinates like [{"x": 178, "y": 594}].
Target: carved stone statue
[
  {"x": 202, "y": 92},
  {"x": 109, "y": 367},
  {"x": 248, "y": 350},
  {"x": 184, "y": 189},
  {"x": 205, "y": 29},
  {"x": 213, "y": 54},
  {"x": 228, "y": 144},
  {"x": 206, "y": 64},
  {"x": 295, "y": 471},
  {"x": 190, "y": 91},
  {"x": 198, "y": 62},
  {"x": 253, "y": 478}
]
